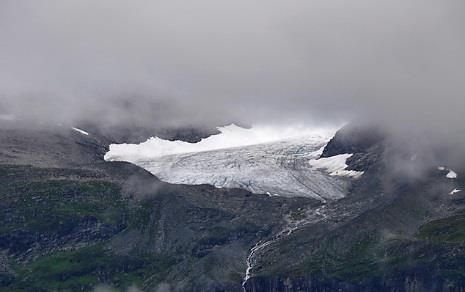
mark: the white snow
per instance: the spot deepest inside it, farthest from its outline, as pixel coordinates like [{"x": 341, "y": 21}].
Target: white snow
[
  {"x": 229, "y": 137},
  {"x": 80, "y": 131},
  {"x": 454, "y": 191},
  {"x": 265, "y": 160},
  {"x": 451, "y": 174},
  {"x": 335, "y": 165}
]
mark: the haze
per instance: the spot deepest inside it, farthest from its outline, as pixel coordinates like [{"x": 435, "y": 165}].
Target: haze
[{"x": 185, "y": 62}]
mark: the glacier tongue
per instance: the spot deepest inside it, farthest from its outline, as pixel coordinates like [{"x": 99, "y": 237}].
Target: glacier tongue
[{"x": 275, "y": 168}]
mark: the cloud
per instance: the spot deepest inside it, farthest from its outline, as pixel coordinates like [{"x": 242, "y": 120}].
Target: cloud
[{"x": 401, "y": 62}]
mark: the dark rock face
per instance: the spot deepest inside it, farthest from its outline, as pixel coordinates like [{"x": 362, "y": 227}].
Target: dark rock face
[
  {"x": 138, "y": 134},
  {"x": 366, "y": 145},
  {"x": 354, "y": 139},
  {"x": 48, "y": 147}
]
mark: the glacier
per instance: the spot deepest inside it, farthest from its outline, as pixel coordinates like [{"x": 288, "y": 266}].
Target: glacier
[{"x": 263, "y": 160}]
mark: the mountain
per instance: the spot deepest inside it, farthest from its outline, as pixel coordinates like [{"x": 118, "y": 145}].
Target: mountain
[
  {"x": 392, "y": 232},
  {"x": 73, "y": 221}
]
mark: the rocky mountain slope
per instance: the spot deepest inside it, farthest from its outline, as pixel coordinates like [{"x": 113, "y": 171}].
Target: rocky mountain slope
[
  {"x": 72, "y": 221},
  {"x": 391, "y": 233}
]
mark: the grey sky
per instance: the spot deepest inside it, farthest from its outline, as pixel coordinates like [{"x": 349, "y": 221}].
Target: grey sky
[{"x": 402, "y": 61}]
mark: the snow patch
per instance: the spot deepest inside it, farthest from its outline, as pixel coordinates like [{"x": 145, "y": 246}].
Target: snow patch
[
  {"x": 451, "y": 174},
  {"x": 454, "y": 191},
  {"x": 80, "y": 131},
  {"x": 335, "y": 165}
]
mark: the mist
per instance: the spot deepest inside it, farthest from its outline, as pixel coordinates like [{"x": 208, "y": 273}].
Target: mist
[{"x": 206, "y": 62}]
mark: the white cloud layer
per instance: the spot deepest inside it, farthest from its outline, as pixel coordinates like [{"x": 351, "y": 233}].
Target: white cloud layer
[{"x": 252, "y": 61}]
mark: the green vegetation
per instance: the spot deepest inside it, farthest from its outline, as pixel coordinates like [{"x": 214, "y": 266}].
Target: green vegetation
[
  {"x": 439, "y": 246},
  {"x": 139, "y": 216},
  {"x": 224, "y": 233},
  {"x": 48, "y": 205},
  {"x": 354, "y": 263},
  {"x": 450, "y": 230},
  {"x": 358, "y": 262},
  {"x": 84, "y": 268},
  {"x": 47, "y": 208}
]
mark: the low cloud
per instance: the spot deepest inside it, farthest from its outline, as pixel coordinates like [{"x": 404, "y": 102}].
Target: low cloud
[{"x": 399, "y": 62}]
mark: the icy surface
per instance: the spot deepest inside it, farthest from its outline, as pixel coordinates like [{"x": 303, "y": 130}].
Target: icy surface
[
  {"x": 253, "y": 159},
  {"x": 335, "y": 165},
  {"x": 80, "y": 131}
]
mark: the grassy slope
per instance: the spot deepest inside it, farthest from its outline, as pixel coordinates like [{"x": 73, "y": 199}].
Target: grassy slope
[
  {"x": 56, "y": 229},
  {"x": 74, "y": 228}
]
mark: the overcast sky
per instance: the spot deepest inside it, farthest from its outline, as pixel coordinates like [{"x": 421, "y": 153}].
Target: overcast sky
[{"x": 402, "y": 61}]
